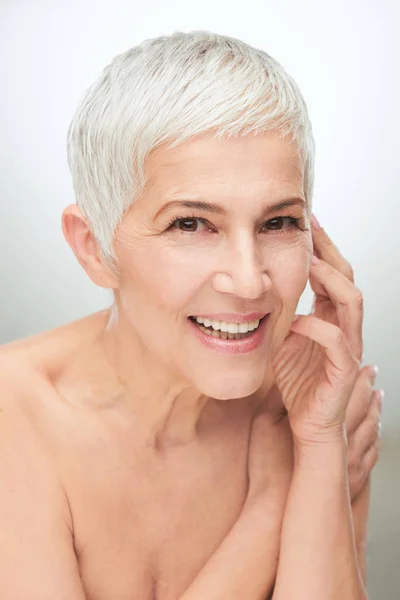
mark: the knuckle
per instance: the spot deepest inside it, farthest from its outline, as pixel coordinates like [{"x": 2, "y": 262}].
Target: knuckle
[
  {"x": 358, "y": 299},
  {"x": 373, "y": 458},
  {"x": 339, "y": 336},
  {"x": 369, "y": 464},
  {"x": 377, "y": 401},
  {"x": 372, "y": 428},
  {"x": 375, "y": 429},
  {"x": 355, "y": 363},
  {"x": 354, "y": 467},
  {"x": 328, "y": 241},
  {"x": 348, "y": 271},
  {"x": 374, "y": 413},
  {"x": 365, "y": 375}
]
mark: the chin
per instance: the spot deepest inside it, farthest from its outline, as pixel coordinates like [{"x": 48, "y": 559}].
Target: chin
[{"x": 232, "y": 386}]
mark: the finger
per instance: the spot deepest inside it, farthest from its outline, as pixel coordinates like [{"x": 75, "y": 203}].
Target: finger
[
  {"x": 325, "y": 249},
  {"x": 333, "y": 340},
  {"x": 371, "y": 457},
  {"x": 347, "y": 300},
  {"x": 366, "y": 433},
  {"x": 359, "y": 476},
  {"x": 361, "y": 398}
]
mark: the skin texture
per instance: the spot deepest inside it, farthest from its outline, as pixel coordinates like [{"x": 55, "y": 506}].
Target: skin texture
[{"x": 133, "y": 439}]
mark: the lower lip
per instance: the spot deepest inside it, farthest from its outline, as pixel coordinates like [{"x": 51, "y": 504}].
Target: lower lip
[{"x": 243, "y": 346}]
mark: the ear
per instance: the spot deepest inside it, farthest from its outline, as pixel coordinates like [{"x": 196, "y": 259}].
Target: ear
[{"x": 84, "y": 245}]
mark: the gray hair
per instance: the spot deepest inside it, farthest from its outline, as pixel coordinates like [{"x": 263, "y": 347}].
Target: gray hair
[{"x": 170, "y": 89}]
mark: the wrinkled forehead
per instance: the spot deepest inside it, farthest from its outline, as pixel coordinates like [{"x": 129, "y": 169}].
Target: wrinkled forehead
[{"x": 251, "y": 165}]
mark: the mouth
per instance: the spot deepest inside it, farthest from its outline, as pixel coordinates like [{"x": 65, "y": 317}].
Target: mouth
[
  {"x": 226, "y": 330},
  {"x": 230, "y": 337}
]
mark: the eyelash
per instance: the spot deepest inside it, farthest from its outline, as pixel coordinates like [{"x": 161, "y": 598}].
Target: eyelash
[{"x": 295, "y": 221}]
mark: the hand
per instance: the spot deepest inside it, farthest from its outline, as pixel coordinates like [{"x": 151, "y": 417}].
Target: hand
[
  {"x": 364, "y": 409},
  {"x": 317, "y": 365},
  {"x": 271, "y": 457},
  {"x": 363, "y": 430}
]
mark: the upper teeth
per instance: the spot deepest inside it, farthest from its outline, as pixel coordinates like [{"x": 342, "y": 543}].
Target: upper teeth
[{"x": 229, "y": 327}]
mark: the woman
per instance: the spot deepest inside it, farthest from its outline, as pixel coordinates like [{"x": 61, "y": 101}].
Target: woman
[{"x": 191, "y": 441}]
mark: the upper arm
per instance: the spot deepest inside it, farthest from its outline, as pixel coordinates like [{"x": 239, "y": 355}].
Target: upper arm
[{"x": 37, "y": 558}]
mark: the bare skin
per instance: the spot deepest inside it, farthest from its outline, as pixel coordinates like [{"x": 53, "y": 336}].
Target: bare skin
[
  {"x": 121, "y": 474},
  {"x": 144, "y": 519},
  {"x": 126, "y": 520}
]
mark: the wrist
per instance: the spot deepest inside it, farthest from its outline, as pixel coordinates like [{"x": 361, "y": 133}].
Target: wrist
[
  {"x": 268, "y": 506},
  {"x": 320, "y": 439},
  {"x": 321, "y": 452}
]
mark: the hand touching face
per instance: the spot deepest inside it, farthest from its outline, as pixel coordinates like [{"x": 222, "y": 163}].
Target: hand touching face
[{"x": 362, "y": 414}]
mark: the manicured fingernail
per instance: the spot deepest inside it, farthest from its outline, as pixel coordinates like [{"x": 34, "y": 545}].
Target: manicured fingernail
[
  {"x": 382, "y": 393},
  {"x": 380, "y": 430},
  {"x": 374, "y": 373},
  {"x": 315, "y": 222},
  {"x": 315, "y": 260}
]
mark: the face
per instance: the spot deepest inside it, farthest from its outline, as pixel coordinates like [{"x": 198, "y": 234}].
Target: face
[{"x": 221, "y": 233}]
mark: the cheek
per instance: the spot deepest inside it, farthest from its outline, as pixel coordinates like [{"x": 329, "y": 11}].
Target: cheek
[
  {"x": 290, "y": 274},
  {"x": 169, "y": 277},
  {"x": 163, "y": 277}
]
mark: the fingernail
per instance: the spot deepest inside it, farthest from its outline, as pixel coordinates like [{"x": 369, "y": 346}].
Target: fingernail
[
  {"x": 315, "y": 260},
  {"x": 380, "y": 430},
  {"x": 374, "y": 373},
  {"x": 382, "y": 393},
  {"x": 315, "y": 222}
]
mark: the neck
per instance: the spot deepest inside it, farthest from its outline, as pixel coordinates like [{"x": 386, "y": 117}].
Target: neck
[{"x": 167, "y": 409}]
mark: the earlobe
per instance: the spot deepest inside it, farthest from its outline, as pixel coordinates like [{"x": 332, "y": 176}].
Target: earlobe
[{"x": 80, "y": 238}]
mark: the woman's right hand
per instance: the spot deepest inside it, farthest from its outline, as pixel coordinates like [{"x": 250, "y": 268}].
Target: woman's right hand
[{"x": 271, "y": 445}]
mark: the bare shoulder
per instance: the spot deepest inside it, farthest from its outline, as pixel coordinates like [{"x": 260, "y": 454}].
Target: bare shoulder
[
  {"x": 21, "y": 387},
  {"x": 35, "y": 518},
  {"x": 34, "y": 421},
  {"x": 27, "y": 471},
  {"x": 47, "y": 351},
  {"x": 33, "y": 392},
  {"x": 28, "y": 369}
]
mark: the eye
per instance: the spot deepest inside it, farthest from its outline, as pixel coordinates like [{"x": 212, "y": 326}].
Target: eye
[
  {"x": 281, "y": 223},
  {"x": 188, "y": 224}
]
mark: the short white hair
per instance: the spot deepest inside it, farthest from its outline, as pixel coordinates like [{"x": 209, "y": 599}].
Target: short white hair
[{"x": 170, "y": 89}]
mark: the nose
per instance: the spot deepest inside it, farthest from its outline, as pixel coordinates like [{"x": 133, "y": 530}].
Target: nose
[{"x": 245, "y": 273}]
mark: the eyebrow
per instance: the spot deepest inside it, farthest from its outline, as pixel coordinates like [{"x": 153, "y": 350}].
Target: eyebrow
[{"x": 220, "y": 210}]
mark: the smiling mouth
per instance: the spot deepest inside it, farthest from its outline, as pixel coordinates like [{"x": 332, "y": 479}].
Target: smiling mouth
[{"x": 226, "y": 331}]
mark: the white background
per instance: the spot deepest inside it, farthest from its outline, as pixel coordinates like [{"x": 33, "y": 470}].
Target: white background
[{"x": 345, "y": 57}]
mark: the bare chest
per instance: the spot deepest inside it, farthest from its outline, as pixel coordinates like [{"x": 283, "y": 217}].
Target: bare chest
[{"x": 144, "y": 530}]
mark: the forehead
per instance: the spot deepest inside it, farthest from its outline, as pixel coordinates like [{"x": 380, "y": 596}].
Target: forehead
[{"x": 262, "y": 162}]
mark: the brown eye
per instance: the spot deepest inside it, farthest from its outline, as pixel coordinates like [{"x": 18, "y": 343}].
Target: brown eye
[
  {"x": 187, "y": 224},
  {"x": 281, "y": 223}
]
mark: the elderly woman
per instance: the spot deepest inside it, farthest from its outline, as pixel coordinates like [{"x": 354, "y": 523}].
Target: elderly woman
[{"x": 196, "y": 440}]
